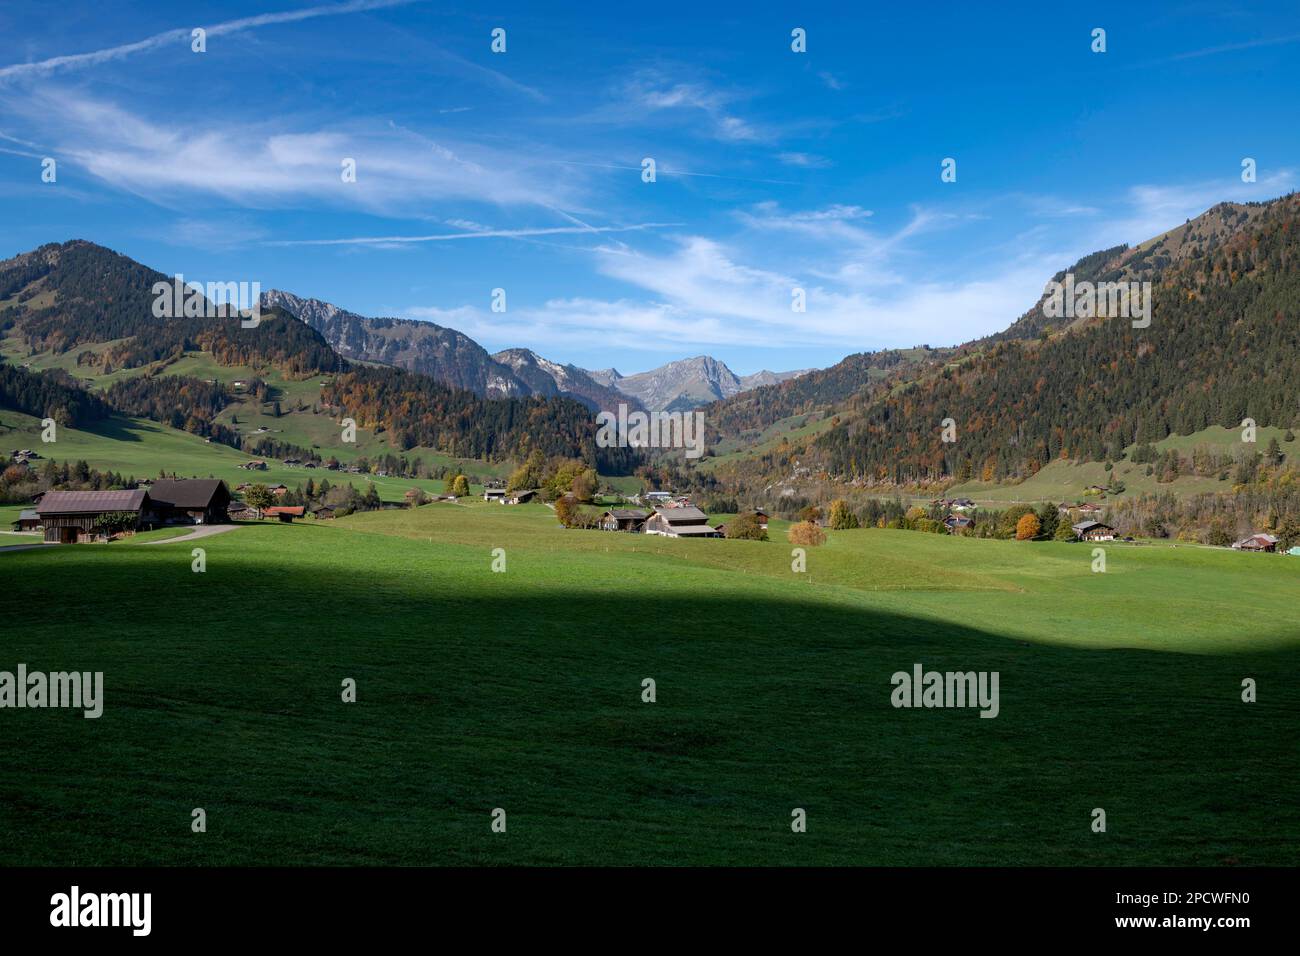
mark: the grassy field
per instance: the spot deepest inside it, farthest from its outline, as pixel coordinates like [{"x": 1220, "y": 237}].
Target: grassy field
[
  {"x": 139, "y": 447},
  {"x": 522, "y": 690}
]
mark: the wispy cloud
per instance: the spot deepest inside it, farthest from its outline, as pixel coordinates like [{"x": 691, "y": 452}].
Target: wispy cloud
[
  {"x": 182, "y": 34},
  {"x": 473, "y": 231}
]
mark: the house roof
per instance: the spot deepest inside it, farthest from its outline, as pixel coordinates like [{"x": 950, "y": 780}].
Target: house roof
[
  {"x": 624, "y": 513},
  {"x": 682, "y": 514},
  {"x": 186, "y": 492},
  {"x": 1083, "y": 526},
  {"x": 27, "y": 514},
  {"x": 91, "y": 502},
  {"x": 294, "y": 510},
  {"x": 695, "y": 529}
]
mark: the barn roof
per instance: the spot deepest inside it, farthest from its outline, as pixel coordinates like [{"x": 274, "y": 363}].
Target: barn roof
[
  {"x": 91, "y": 502},
  {"x": 185, "y": 492},
  {"x": 627, "y": 513},
  {"x": 294, "y": 510},
  {"x": 682, "y": 514}
]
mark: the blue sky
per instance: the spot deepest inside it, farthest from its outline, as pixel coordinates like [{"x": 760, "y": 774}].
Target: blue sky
[{"x": 522, "y": 170}]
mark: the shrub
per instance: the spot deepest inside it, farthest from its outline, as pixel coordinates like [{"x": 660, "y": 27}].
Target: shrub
[
  {"x": 807, "y": 534},
  {"x": 746, "y": 528}
]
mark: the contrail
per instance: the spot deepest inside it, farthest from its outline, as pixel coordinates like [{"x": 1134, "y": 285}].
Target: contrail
[{"x": 75, "y": 60}]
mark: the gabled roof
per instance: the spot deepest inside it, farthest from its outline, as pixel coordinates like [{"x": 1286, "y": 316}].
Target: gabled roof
[
  {"x": 1083, "y": 526},
  {"x": 91, "y": 502},
  {"x": 626, "y": 513},
  {"x": 185, "y": 492},
  {"x": 295, "y": 511},
  {"x": 681, "y": 514},
  {"x": 27, "y": 514}
]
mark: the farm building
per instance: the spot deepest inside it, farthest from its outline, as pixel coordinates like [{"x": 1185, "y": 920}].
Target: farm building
[
  {"x": 28, "y": 520},
  {"x": 494, "y": 494},
  {"x": 521, "y": 497},
  {"x": 1256, "y": 542},
  {"x": 658, "y": 497},
  {"x": 680, "y": 522},
  {"x": 239, "y": 511},
  {"x": 285, "y": 513},
  {"x": 323, "y": 512},
  {"x": 191, "y": 500},
  {"x": 1093, "y": 531},
  {"x": 958, "y": 523},
  {"x": 70, "y": 517},
  {"x": 624, "y": 519}
]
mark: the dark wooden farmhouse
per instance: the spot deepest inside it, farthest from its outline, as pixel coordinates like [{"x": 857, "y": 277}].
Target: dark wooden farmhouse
[
  {"x": 28, "y": 520},
  {"x": 285, "y": 513},
  {"x": 191, "y": 500},
  {"x": 1093, "y": 531},
  {"x": 681, "y": 522},
  {"x": 624, "y": 519},
  {"x": 70, "y": 517}
]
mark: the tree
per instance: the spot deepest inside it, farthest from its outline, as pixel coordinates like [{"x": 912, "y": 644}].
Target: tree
[
  {"x": 416, "y": 497},
  {"x": 584, "y": 485},
  {"x": 258, "y": 497},
  {"x": 530, "y": 474},
  {"x": 747, "y": 528},
  {"x": 1027, "y": 527},
  {"x": 810, "y": 513},
  {"x": 460, "y": 487},
  {"x": 1064, "y": 532},
  {"x": 1048, "y": 519},
  {"x": 566, "y": 509},
  {"x": 806, "y": 534},
  {"x": 371, "y": 501},
  {"x": 842, "y": 517}
]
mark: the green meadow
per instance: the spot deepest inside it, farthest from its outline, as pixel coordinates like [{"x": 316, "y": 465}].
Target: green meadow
[{"x": 522, "y": 690}]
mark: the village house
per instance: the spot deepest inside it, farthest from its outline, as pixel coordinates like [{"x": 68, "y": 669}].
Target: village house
[
  {"x": 285, "y": 513},
  {"x": 257, "y": 465},
  {"x": 624, "y": 519},
  {"x": 1256, "y": 542},
  {"x": 658, "y": 497},
  {"x": 521, "y": 497},
  {"x": 28, "y": 520},
  {"x": 324, "y": 512},
  {"x": 494, "y": 494},
  {"x": 958, "y": 523},
  {"x": 680, "y": 522},
  {"x": 72, "y": 517},
  {"x": 191, "y": 500},
  {"x": 1093, "y": 531}
]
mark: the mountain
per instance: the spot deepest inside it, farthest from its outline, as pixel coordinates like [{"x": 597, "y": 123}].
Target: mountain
[
  {"x": 687, "y": 383},
  {"x": 545, "y": 377},
  {"x": 445, "y": 354},
  {"x": 1222, "y": 346}
]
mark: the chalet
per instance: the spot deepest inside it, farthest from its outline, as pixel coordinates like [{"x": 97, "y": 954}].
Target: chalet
[
  {"x": 658, "y": 497},
  {"x": 521, "y": 497},
  {"x": 958, "y": 523},
  {"x": 494, "y": 494},
  {"x": 280, "y": 491},
  {"x": 624, "y": 519},
  {"x": 1093, "y": 531},
  {"x": 1256, "y": 542},
  {"x": 257, "y": 465},
  {"x": 238, "y": 511},
  {"x": 28, "y": 520},
  {"x": 324, "y": 512},
  {"x": 191, "y": 500},
  {"x": 1088, "y": 508},
  {"x": 963, "y": 504},
  {"x": 680, "y": 522},
  {"x": 70, "y": 517},
  {"x": 292, "y": 461},
  {"x": 285, "y": 513}
]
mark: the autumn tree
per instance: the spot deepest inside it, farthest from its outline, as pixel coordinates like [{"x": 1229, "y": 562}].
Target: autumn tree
[{"x": 1027, "y": 528}]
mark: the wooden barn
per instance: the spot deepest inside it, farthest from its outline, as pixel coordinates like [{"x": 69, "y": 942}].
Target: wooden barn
[
  {"x": 286, "y": 513},
  {"x": 624, "y": 519},
  {"x": 28, "y": 520},
  {"x": 71, "y": 517},
  {"x": 191, "y": 500},
  {"x": 681, "y": 522}
]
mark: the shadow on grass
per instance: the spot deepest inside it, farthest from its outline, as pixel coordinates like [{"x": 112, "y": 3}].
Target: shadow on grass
[{"x": 223, "y": 690}]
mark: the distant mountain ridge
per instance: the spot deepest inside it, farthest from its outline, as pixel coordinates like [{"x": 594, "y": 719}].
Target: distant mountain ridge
[{"x": 455, "y": 359}]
